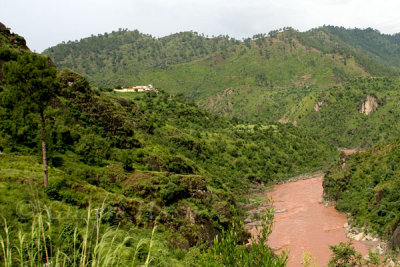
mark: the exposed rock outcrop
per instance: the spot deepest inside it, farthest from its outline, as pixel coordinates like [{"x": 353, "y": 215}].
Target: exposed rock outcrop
[
  {"x": 284, "y": 120},
  {"x": 319, "y": 104},
  {"x": 395, "y": 239},
  {"x": 359, "y": 234},
  {"x": 368, "y": 105}
]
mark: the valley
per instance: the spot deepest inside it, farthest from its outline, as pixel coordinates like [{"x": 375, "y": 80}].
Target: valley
[{"x": 180, "y": 174}]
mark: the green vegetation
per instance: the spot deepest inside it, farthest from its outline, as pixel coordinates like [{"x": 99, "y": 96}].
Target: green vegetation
[
  {"x": 153, "y": 179},
  {"x": 226, "y": 252},
  {"x": 138, "y": 160},
  {"x": 375, "y": 52},
  {"x": 74, "y": 222},
  {"x": 259, "y": 79},
  {"x": 229, "y": 148},
  {"x": 92, "y": 246},
  {"x": 279, "y": 76},
  {"x": 367, "y": 186},
  {"x": 383, "y": 48},
  {"x": 30, "y": 85},
  {"x": 339, "y": 120},
  {"x": 344, "y": 255}
]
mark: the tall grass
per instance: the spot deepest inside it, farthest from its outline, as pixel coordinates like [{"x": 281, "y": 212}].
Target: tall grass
[
  {"x": 91, "y": 247},
  {"x": 5, "y": 245},
  {"x": 94, "y": 244}
]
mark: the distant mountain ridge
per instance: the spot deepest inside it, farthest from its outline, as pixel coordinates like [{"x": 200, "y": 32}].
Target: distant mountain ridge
[
  {"x": 113, "y": 52},
  {"x": 258, "y": 78},
  {"x": 384, "y": 48},
  {"x": 123, "y": 47}
]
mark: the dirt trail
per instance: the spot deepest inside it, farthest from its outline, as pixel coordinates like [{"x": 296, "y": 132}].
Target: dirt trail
[{"x": 304, "y": 225}]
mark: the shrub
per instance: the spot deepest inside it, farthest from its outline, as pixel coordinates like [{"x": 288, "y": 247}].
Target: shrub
[
  {"x": 93, "y": 148},
  {"x": 56, "y": 161},
  {"x": 229, "y": 249},
  {"x": 127, "y": 161},
  {"x": 344, "y": 255},
  {"x": 52, "y": 191},
  {"x": 173, "y": 192}
]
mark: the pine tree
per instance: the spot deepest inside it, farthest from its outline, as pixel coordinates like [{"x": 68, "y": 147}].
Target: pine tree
[{"x": 31, "y": 82}]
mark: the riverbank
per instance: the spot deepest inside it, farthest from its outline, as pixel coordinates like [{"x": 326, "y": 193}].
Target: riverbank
[{"x": 303, "y": 224}]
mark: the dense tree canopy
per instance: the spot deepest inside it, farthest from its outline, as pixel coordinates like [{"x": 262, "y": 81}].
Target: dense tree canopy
[
  {"x": 30, "y": 85},
  {"x": 31, "y": 81}
]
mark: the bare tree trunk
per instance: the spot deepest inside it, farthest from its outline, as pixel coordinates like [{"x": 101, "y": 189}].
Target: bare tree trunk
[{"x": 43, "y": 122}]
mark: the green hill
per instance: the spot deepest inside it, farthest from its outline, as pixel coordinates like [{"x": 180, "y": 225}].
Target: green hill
[
  {"x": 336, "y": 116},
  {"x": 140, "y": 176},
  {"x": 257, "y": 78},
  {"x": 384, "y": 48},
  {"x": 366, "y": 185},
  {"x": 124, "y": 164},
  {"x": 377, "y": 53}
]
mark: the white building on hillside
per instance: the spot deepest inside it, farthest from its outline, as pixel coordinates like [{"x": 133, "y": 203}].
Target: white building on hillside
[{"x": 139, "y": 88}]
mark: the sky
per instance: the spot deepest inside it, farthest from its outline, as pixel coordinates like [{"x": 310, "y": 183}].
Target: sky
[{"x": 45, "y": 23}]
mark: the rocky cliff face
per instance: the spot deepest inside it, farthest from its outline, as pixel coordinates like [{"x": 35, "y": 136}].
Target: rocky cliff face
[{"x": 368, "y": 105}]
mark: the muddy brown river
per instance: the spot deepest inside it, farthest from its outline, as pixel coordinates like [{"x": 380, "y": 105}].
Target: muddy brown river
[{"x": 302, "y": 224}]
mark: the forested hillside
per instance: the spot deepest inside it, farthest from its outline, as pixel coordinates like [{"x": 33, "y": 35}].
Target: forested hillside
[
  {"x": 157, "y": 176},
  {"x": 366, "y": 185},
  {"x": 122, "y": 165},
  {"x": 258, "y": 78},
  {"x": 384, "y": 48},
  {"x": 337, "y": 116},
  {"x": 369, "y": 48},
  {"x": 132, "y": 51}
]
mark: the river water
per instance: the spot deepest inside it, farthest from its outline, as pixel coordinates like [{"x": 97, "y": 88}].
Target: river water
[{"x": 302, "y": 224}]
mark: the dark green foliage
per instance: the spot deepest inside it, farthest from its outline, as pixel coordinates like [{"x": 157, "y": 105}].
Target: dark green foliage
[
  {"x": 343, "y": 255},
  {"x": 224, "y": 147},
  {"x": 56, "y": 161},
  {"x": 52, "y": 192},
  {"x": 381, "y": 47},
  {"x": 31, "y": 81},
  {"x": 30, "y": 85},
  {"x": 11, "y": 45},
  {"x": 375, "y": 52},
  {"x": 259, "y": 79},
  {"x": 173, "y": 192},
  {"x": 339, "y": 120},
  {"x": 367, "y": 186},
  {"x": 72, "y": 83},
  {"x": 67, "y": 236},
  {"x": 92, "y": 148},
  {"x": 156, "y": 157},
  {"x": 107, "y": 52},
  {"x": 230, "y": 249},
  {"x": 127, "y": 161}
]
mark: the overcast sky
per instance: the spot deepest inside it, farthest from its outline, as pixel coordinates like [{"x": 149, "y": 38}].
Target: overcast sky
[{"x": 45, "y": 23}]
